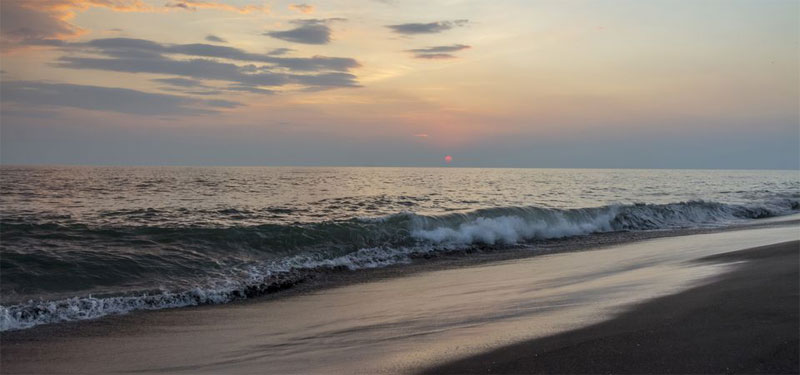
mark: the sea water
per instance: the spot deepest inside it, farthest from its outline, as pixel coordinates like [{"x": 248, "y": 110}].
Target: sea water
[{"x": 83, "y": 242}]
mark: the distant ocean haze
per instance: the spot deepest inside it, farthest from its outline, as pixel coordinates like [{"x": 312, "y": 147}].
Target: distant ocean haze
[{"x": 83, "y": 242}]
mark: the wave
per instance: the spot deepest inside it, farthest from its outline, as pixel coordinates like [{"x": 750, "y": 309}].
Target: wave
[
  {"x": 188, "y": 266},
  {"x": 514, "y": 224}
]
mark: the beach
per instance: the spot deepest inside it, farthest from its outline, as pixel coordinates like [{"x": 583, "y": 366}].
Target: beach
[
  {"x": 745, "y": 322},
  {"x": 589, "y": 305}
]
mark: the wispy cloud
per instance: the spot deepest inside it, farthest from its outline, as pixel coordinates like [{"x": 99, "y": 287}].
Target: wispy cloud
[
  {"x": 434, "y": 56},
  {"x": 311, "y": 31},
  {"x": 302, "y": 8},
  {"x": 279, "y": 51},
  {"x": 216, "y": 39},
  {"x": 441, "y": 49},
  {"x": 427, "y": 28},
  {"x": 182, "y": 82},
  {"x": 250, "y": 89},
  {"x": 438, "y": 52}
]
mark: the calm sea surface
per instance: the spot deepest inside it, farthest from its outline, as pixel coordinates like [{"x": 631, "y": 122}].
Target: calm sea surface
[{"x": 83, "y": 242}]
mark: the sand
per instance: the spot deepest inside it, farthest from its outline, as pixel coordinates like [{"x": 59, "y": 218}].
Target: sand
[
  {"x": 746, "y": 322},
  {"x": 427, "y": 319}
]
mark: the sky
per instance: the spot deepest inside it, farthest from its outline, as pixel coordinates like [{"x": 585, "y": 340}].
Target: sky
[{"x": 529, "y": 83}]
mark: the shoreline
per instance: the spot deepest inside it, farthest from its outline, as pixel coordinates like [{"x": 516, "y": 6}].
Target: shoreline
[
  {"x": 395, "y": 325},
  {"x": 321, "y": 279},
  {"x": 745, "y": 321}
]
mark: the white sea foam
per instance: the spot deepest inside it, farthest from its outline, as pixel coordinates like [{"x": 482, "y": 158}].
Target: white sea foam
[
  {"x": 511, "y": 230},
  {"x": 35, "y": 313}
]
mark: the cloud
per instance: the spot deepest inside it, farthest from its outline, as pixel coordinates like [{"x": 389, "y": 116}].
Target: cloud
[
  {"x": 324, "y": 80},
  {"x": 214, "y": 38},
  {"x": 195, "y": 5},
  {"x": 146, "y": 49},
  {"x": 427, "y": 28},
  {"x": 279, "y": 51},
  {"x": 111, "y": 44},
  {"x": 112, "y": 99},
  {"x": 19, "y": 23},
  {"x": 434, "y": 56},
  {"x": 438, "y": 52},
  {"x": 311, "y": 31},
  {"x": 302, "y": 8},
  {"x": 195, "y": 68},
  {"x": 22, "y": 22},
  {"x": 144, "y": 56},
  {"x": 441, "y": 49},
  {"x": 44, "y": 42},
  {"x": 220, "y": 103},
  {"x": 316, "y": 63},
  {"x": 194, "y": 92},
  {"x": 254, "y": 90},
  {"x": 181, "y": 82}
]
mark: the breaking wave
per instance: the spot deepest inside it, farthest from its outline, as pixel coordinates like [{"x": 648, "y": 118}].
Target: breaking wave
[{"x": 149, "y": 268}]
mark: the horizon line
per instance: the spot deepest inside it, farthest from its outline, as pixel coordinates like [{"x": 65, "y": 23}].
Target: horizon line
[{"x": 450, "y": 166}]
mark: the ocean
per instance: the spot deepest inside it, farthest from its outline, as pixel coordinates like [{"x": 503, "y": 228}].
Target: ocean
[{"x": 84, "y": 242}]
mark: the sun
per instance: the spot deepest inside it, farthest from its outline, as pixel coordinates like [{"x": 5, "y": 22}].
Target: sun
[{"x": 448, "y": 159}]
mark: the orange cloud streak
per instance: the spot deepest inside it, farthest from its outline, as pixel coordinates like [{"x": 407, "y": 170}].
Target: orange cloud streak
[
  {"x": 194, "y": 5},
  {"x": 69, "y": 6},
  {"x": 302, "y": 8}
]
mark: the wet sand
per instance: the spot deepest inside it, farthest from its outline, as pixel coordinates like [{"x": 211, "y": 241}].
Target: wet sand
[
  {"x": 747, "y": 322},
  {"x": 397, "y": 325}
]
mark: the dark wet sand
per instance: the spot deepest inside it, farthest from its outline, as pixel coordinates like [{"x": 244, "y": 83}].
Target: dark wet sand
[{"x": 747, "y": 321}]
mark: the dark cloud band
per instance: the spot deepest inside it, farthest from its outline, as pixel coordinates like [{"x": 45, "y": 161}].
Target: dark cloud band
[
  {"x": 107, "y": 99},
  {"x": 209, "y": 62},
  {"x": 441, "y": 49},
  {"x": 130, "y": 47},
  {"x": 426, "y": 28}
]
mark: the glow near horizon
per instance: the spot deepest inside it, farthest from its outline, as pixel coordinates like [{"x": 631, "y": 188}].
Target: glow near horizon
[{"x": 594, "y": 78}]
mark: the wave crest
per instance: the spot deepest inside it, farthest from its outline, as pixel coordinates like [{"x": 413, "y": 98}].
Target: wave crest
[{"x": 515, "y": 224}]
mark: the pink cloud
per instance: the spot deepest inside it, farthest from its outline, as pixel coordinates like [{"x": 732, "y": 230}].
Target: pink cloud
[{"x": 25, "y": 22}]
